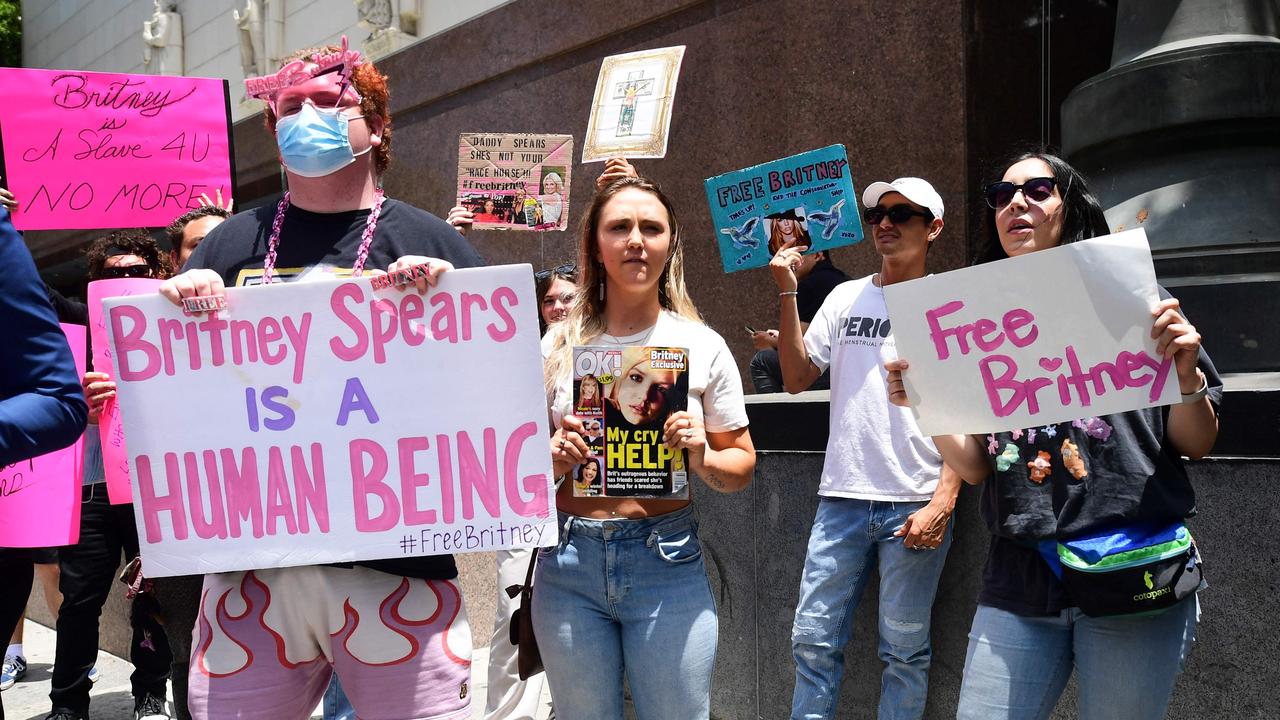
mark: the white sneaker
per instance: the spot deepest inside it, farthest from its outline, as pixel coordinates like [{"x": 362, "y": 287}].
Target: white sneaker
[{"x": 94, "y": 674}]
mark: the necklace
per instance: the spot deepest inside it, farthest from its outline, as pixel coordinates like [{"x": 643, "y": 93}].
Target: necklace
[{"x": 362, "y": 254}]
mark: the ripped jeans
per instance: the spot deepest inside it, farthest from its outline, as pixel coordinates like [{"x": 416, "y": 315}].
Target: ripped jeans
[{"x": 851, "y": 539}]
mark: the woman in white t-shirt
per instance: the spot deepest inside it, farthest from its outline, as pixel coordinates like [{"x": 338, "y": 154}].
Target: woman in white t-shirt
[{"x": 625, "y": 591}]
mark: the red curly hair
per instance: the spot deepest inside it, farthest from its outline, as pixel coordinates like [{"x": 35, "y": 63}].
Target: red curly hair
[{"x": 374, "y": 99}]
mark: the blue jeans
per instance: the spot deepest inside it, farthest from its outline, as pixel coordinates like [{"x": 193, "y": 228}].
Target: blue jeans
[
  {"x": 850, "y": 540},
  {"x": 626, "y": 596},
  {"x": 336, "y": 704},
  {"x": 1016, "y": 667}
]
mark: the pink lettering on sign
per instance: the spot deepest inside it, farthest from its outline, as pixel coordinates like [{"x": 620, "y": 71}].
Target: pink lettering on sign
[
  {"x": 385, "y": 322},
  {"x": 40, "y": 497},
  {"x": 284, "y": 491},
  {"x": 285, "y": 496},
  {"x": 115, "y": 457},
  {"x": 984, "y": 333},
  {"x": 93, "y": 150},
  {"x": 482, "y": 481},
  {"x": 1007, "y": 393}
]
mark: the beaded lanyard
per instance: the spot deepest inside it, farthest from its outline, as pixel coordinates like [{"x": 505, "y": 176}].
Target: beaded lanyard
[{"x": 357, "y": 268}]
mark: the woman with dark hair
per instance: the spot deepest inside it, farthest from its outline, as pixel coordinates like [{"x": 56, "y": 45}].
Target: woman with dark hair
[
  {"x": 555, "y": 288},
  {"x": 586, "y": 477},
  {"x": 1081, "y": 217},
  {"x": 1120, "y": 474},
  {"x": 625, "y": 592}
]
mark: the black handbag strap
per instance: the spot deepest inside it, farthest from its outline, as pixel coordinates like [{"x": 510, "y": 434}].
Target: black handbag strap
[{"x": 514, "y": 590}]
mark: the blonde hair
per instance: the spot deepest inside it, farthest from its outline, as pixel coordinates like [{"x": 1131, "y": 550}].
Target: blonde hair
[{"x": 586, "y": 316}]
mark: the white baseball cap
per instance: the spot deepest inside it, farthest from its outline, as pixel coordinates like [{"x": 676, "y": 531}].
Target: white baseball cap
[{"x": 914, "y": 189}]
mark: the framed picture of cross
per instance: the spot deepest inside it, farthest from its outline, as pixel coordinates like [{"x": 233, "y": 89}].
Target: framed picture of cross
[{"x": 631, "y": 111}]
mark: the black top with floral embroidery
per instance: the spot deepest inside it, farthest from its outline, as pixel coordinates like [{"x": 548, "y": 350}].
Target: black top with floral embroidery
[{"x": 1065, "y": 480}]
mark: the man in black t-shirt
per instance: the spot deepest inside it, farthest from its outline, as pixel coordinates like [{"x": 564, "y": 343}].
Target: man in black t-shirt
[
  {"x": 818, "y": 276},
  {"x": 329, "y": 112}
]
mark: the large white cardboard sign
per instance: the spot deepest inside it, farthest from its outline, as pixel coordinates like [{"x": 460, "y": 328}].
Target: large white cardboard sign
[
  {"x": 331, "y": 422},
  {"x": 1043, "y": 338}
]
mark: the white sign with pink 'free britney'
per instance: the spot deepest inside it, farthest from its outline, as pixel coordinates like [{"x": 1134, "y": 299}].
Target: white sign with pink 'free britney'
[{"x": 1042, "y": 338}]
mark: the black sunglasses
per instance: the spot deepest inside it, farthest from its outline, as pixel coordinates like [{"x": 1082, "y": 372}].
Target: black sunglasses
[
  {"x": 1037, "y": 190},
  {"x": 897, "y": 214},
  {"x": 126, "y": 271},
  {"x": 567, "y": 269}
]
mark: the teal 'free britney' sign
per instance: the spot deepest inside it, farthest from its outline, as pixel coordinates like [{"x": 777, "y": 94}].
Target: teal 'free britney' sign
[{"x": 808, "y": 197}]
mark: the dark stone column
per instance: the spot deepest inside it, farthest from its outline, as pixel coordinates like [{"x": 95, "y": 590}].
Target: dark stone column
[{"x": 1182, "y": 136}]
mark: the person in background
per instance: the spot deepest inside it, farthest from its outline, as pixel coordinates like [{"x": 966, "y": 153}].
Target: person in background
[
  {"x": 188, "y": 230},
  {"x": 108, "y": 533},
  {"x": 816, "y": 277},
  {"x": 46, "y": 571},
  {"x": 42, "y": 406},
  {"x": 556, "y": 289},
  {"x": 508, "y": 697}
]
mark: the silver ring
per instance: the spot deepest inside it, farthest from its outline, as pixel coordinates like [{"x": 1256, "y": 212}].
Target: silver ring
[{"x": 688, "y": 434}]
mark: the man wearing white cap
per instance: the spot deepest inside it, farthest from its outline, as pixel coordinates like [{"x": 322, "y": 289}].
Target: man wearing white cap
[{"x": 885, "y": 497}]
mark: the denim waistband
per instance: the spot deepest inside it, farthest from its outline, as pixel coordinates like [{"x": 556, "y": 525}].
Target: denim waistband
[{"x": 626, "y": 528}]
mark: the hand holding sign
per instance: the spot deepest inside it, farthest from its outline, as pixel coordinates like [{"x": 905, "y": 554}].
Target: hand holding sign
[
  {"x": 615, "y": 169},
  {"x": 1178, "y": 339},
  {"x": 785, "y": 264},
  {"x": 7, "y": 199},
  {"x": 98, "y": 389},
  {"x": 461, "y": 218}
]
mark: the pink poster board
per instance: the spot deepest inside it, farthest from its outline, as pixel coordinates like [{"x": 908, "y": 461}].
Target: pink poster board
[
  {"x": 40, "y": 497},
  {"x": 110, "y": 150},
  {"x": 115, "y": 459}
]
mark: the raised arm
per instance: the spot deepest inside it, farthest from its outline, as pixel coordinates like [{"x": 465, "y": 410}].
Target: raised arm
[{"x": 798, "y": 371}]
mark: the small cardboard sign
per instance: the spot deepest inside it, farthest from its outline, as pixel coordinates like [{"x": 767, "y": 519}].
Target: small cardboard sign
[
  {"x": 515, "y": 182},
  {"x": 807, "y": 197}
]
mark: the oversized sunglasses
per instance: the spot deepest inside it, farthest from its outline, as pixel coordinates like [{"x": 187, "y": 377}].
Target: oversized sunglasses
[
  {"x": 897, "y": 214},
  {"x": 1037, "y": 190},
  {"x": 126, "y": 271}
]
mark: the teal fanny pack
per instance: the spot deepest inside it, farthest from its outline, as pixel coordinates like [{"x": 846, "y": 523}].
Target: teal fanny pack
[{"x": 1132, "y": 570}]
